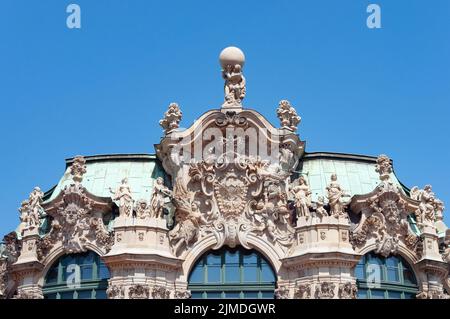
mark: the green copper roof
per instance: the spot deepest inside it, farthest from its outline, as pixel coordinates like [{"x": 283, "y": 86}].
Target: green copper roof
[
  {"x": 356, "y": 174},
  {"x": 107, "y": 171}
]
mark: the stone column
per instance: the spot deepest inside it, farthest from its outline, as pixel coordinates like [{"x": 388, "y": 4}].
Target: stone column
[
  {"x": 141, "y": 263},
  {"x": 322, "y": 259},
  {"x": 27, "y": 270}
]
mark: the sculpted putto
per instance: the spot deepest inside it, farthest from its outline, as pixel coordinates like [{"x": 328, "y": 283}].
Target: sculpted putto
[
  {"x": 234, "y": 84},
  {"x": 425, "y": 214},
  {"x": 123, "y": 195},
  {"x": 160, "y": 192},
  {"x": 288, "y": 115},
  {"x": 302, "y": 198}
]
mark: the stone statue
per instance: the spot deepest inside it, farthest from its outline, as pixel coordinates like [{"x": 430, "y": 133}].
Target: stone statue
[
  {"x": 143, "y": 210},
  {"x": 425, "y": 214},
  {"x": 31, "y": 209},
  {"x": 123, "y": 195},
  {"x": 234, "y": 85},
  {"x": 302, "y": 198},
  {"x": 160, "y": 192},
  {"x": 172, "y": 118},
  {"x": 232, "y": 60},
  {"x": 288, "y": 116},
  {"x": 320, "y": 210},
  {"x": 335, "y": 195}
]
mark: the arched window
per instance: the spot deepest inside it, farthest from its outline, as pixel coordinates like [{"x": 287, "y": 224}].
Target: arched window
[
  {"x": 77, "y": 276},
  {"x": 385, "y": 278},
  {"x": 232, "y": 273}
]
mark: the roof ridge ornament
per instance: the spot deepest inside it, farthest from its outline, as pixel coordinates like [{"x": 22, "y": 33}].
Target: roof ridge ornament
[
  {"x": 172, "y": 118},
  {"x": 78, "y": 168},
  {"x": 288, "y": 116},
  {"x": 384, "y": 167},
  {"x": 232, "y": 61}
]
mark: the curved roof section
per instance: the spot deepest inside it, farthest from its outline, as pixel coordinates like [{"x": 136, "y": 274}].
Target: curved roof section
[
  {"x": 106, "y": 171},
  {"x": 355, "y": 173}
]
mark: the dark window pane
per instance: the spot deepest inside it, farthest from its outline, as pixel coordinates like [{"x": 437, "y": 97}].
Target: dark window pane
[
  {"x": 196, "y": 295},
  {"x": 103, "y": 272},
  {"x": 214, "y": 295},
  {"x": 100, "y": 294},
  {"x": 214, "y": 274},
  {"x": 394, "y": 295},
  {"x": 392, "y": 262},
  {"x": 66, "y": 295},
  {"x": 232, "y": 295},
  {"x": 214, "y": 259},
  {"x": 392, "y": 274},
  {"x": 85, "y": 294},
  {"x": 197, "y": 275},
  {"x": 50, "y": 296},
  {"x": 232, "y": 273},
  {"x": 232, "y": 257},
  {"x": 86, "y": 272},
  {"x": 410, "y": 296},
  {"x": 268, "y": 295},
  {"x": 52, "y": 275},
  {"x": 251, "y": 294},
  {"x": 250, "y": 273},
  {"x": 267, "y": 274},
  {"x": 359, "y": 272},
  {"x": 409, "y": 277},
  {"x": 249, "y": 259},
  {"x": 362, "y": 293},
  {"x": 377, "y": 294}
]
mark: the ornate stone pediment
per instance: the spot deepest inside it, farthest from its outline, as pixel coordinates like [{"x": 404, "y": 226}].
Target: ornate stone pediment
[
  {"x": 76, "y": 221},
  {"x": 230, "y": 173},
  {"x": 384, "y": 214}
]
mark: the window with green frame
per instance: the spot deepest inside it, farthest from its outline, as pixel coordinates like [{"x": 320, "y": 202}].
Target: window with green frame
[
  {"x": 77, "y": 276},
  {"x": 232, "y": 273},
  {"x": 385, "y": 278}
]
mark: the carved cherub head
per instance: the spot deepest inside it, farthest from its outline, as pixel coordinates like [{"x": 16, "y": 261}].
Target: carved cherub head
[{"x": 333, "y": 177}]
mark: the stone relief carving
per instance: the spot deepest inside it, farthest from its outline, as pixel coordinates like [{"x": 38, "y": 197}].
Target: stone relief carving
[
  {"x": 13, "y": 247},
  {"x": 143, "y": 209},
  {"x": 78, "y": 169},
  {"x": 288, "y": 116},
  {"x": 335, "y": 197},
  {"x": 75, "y": 222},
  {"x": 303, "y": 291},
  {"x": 320, "y": 211},
  {"x": 125, "y": 198},
  {"x": 139, "y": 292},
  {"x": 31, "y": 210},
  {"x": 115, "y": 291},
  {"x": 172, "y": 118},
  {"x": 182, "y": 294},
  {"x": 434, "y": 294},
  {"x": 3, "y": 277},
  {"x": 383, "y": 167},
  {"x": 348, "y": 290},
  {"x": 160, "y": 292},
  {"x": 384, "y": 217},
  {"x": 158, "y": 200},
  {"x": 23, "y": 294},
  {"x": 282, "y": 293},
  {"x": 325, "y": 290},
  {"x": 302, "y": 198}
]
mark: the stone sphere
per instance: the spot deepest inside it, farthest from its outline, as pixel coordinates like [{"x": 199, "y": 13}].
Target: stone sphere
[{"x": 231, "y": 55}]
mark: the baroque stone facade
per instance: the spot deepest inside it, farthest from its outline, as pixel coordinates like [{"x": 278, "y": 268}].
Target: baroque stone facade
[{"x": 230, "y": 180}]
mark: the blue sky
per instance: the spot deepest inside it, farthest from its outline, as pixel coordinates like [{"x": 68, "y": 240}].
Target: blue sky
[{"x": 103, "y": 88}]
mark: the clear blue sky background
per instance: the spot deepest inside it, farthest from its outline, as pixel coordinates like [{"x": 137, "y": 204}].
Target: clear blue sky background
[{"x": 103, "y": 89}]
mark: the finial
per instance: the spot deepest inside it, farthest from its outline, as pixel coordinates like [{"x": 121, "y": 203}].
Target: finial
[
  {"x": 383, "y": 167},
  {"x": 172, "y": 118},
  {"x": 78, "y": 168},
  {"x": 232, "y": 61},
  {"x": 288, "y": 116}
]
